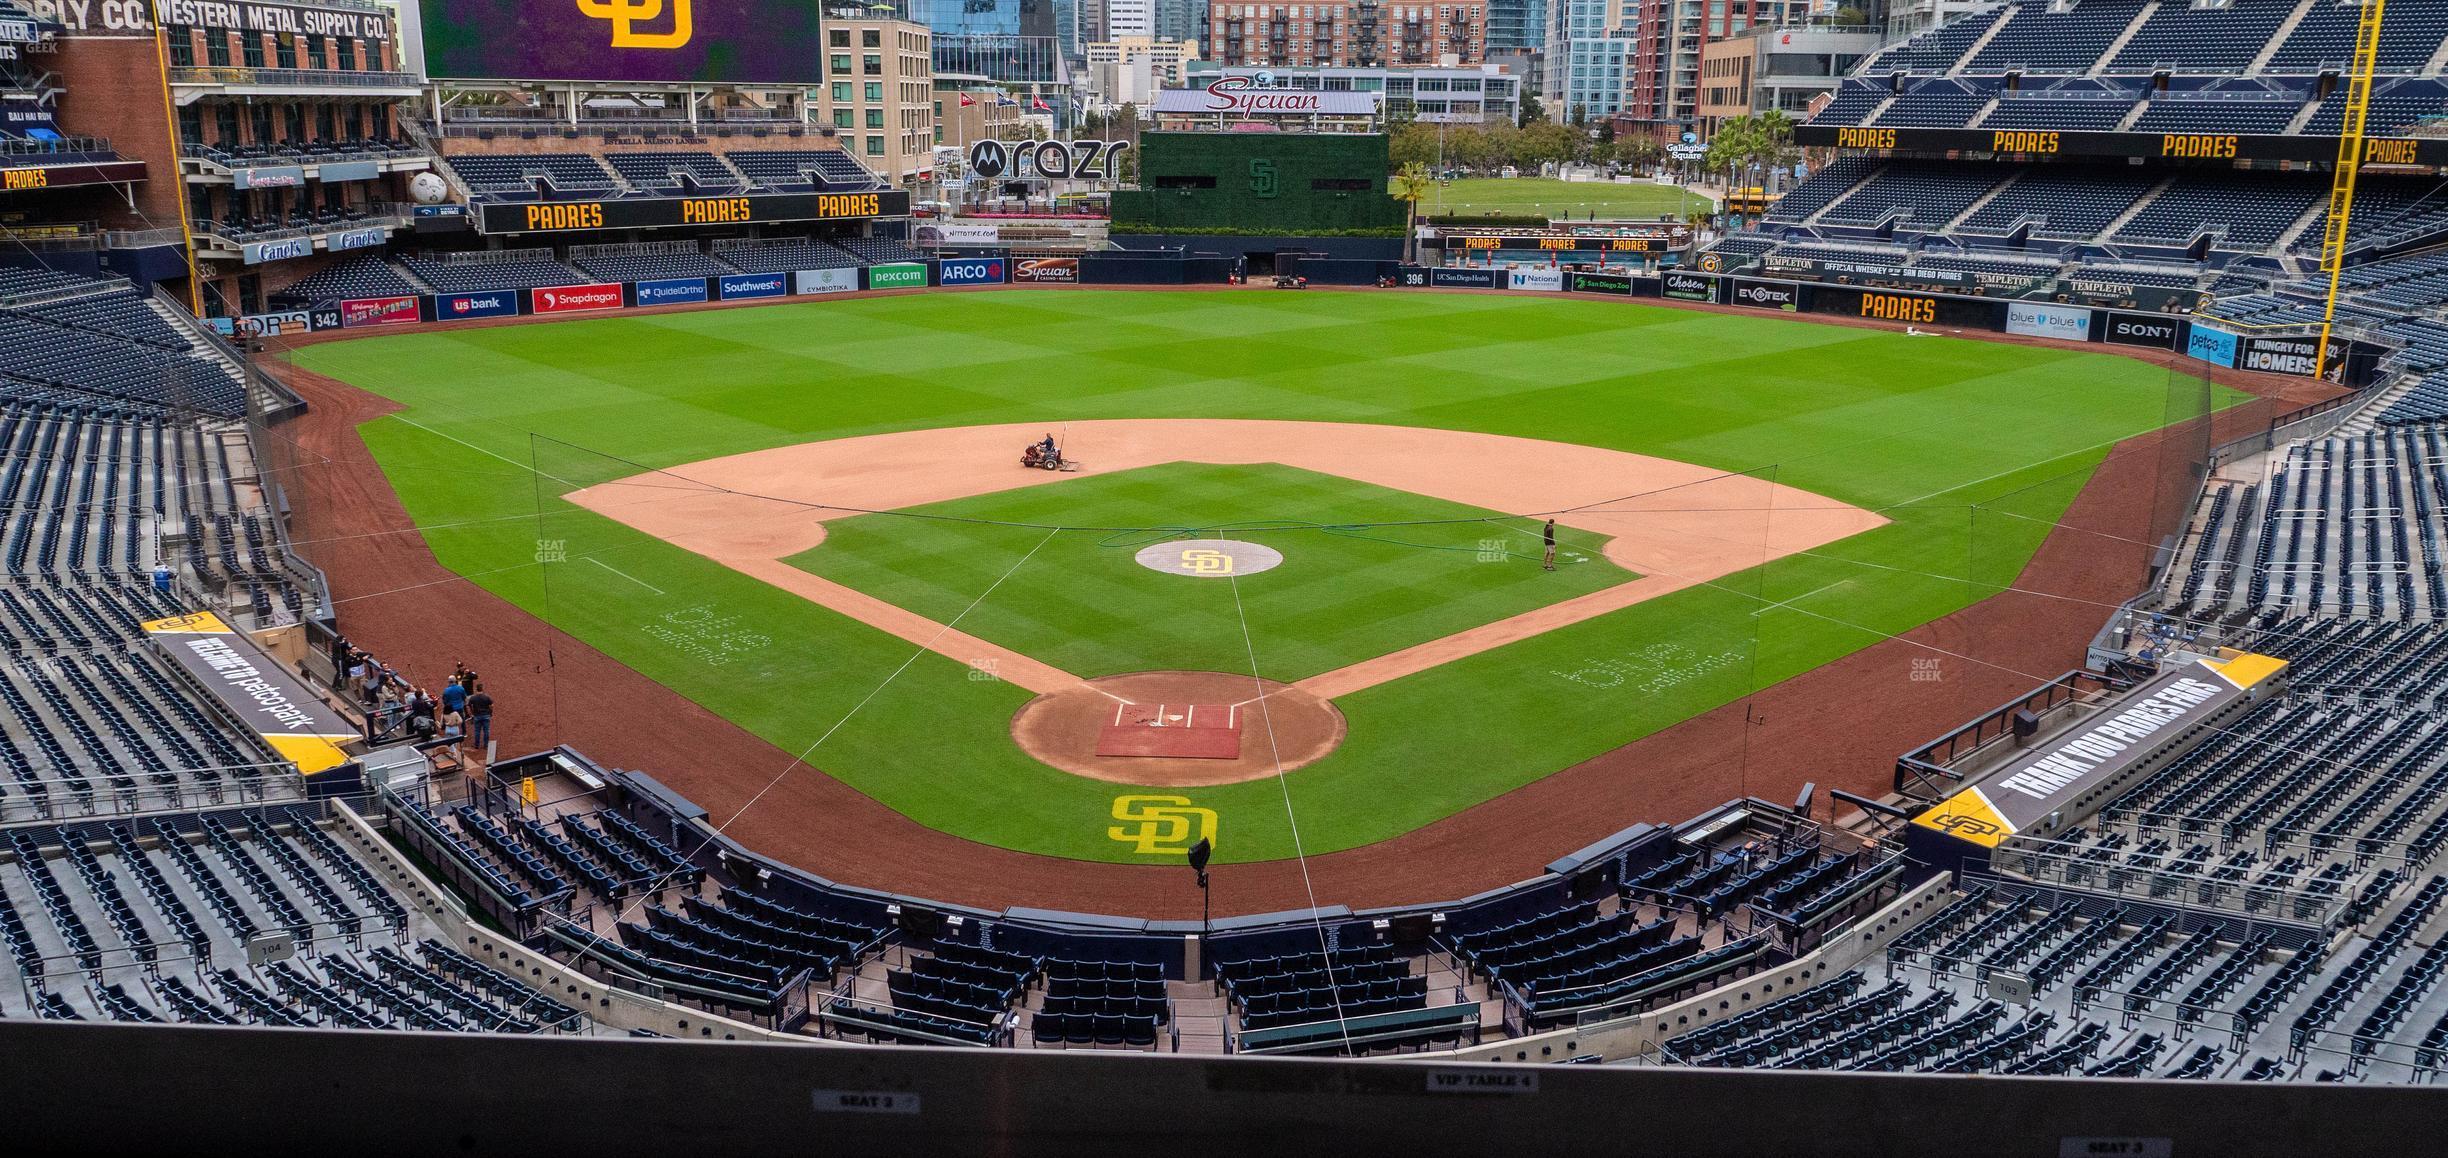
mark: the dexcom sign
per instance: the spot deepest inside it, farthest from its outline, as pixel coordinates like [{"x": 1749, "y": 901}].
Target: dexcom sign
[{"x": 970, "y": 271}]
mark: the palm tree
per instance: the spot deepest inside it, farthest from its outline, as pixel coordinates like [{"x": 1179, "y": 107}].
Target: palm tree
[{"x": 1410, "y": 185}]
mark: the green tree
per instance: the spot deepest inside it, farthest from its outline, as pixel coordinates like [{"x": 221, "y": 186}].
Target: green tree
[
  {"x": 1410, "y": 185},
  {"x": 1412, "y": 144},
  {"x": 1531, "y": 111},
  {"x": 1548, "y": 143}
]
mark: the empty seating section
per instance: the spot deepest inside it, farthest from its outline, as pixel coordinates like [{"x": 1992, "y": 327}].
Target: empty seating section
[
  {"x": 644, "y": 266},
  {"x": 1824, "y": 187},
  {"x": 803, "y": 170},
  {"x": 152, "y": 920},
  {"x": 2219, "y": 113},
  {"x": 361, "y": 276},
  {"x": 516, "y": 175},
  {"x": 1937, "y": 49},
  {"x": 1295, "y": 988},
  {"x": 2246, "y": 213},
  {"x": 1933, "y": 104},
  {"x": 510, "y": 269},
  {"x": 2093, "y": 110},
  {"x": 64, "y": 336},
  {"x": 2325, "y": 38},
  {"x": 2397, "y": 107},
  {"x": 779, "y": 256},
  {"x": 2179, "y": 37},
  {"x": 966, "y": 989},
  {"x": 1853, "y": 105},
  {"x": 1928, "y": 195},
  {"x": 662, "y": 171},
  {"x": 2071, "y": 202},
  {"x": 2037, "y": 39},
  {"x": 879, "y": 250},
  {"x": 1101, "y": 1003}
]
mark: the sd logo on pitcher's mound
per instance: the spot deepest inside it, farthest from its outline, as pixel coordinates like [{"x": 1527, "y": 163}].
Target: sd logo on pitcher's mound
[{"x": 1210, "y": 558}]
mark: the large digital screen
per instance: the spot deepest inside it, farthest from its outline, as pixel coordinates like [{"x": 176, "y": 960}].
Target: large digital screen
[{"x": 648, "y": 41}]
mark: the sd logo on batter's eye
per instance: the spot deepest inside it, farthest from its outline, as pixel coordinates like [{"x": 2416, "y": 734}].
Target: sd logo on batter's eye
[
  {"x": 1161, "y": 825},
  {"x": 1206, "y": 562},
  {"x": 626, "y": 15}
]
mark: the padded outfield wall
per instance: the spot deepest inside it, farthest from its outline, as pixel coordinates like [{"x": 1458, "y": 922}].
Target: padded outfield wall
[{"x": 1263, "y": 183}]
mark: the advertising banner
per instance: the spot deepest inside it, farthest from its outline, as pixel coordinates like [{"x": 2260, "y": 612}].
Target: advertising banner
[
  {"x": 825, "y": 281},
  {"x": 1688, "y": 287},
  {"x": 2038, "y": 321},
  {"x": 1241, "y": 96},
  {"x": 2069, "y": 143},
  {"x": 969, "y": 271},
  {"x": 1584, "y": 282},
  {"x": 268, "y": 177},
  {"x": 1760, "y": 295},
  {"x": 286, "y": 249},
  {"x": 1665, "y": 238},
  {"x": 271, "y": 325},
  {"x": 653, "y": 212},
  {"x": 1446, "y": 278},
  {"x": 273, "y": 703},
  {"x": 332, "y": 172},
  {"x": 2299, "y": 356},
  {"x": 1538, "y": 277},
  {"x": 653, "y": 41},
  {"x": 1909, "y": 308},
  {"x": 897, "y": 275},
  {"x": 355, "y": 239},
  {"x": 484, "y": 304},
  {"x": 1044, "y": 270},
  {"x": 668, "y": 291},
  {"x": 392, "y": 311},
  {"x": 572, "y": 299},
  {"x": 2210, "y": 344},
  {"x": 2141, "y": 330},
  {"x": 755, "y": 285},
  {"x": 930, "y": 233}
]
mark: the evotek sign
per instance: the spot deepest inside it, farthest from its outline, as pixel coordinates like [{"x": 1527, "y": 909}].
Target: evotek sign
[
  {"x": 491, "y": 304},
  {"x": 1764, "y": 296},
  {"x": 1085, "y": 160},
  {"x": 571, "y": 299},
  {"x": 970, "y": 271}
]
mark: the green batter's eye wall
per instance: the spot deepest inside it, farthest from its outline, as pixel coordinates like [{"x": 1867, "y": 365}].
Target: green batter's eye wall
[{"x": 1259, "y": 183}]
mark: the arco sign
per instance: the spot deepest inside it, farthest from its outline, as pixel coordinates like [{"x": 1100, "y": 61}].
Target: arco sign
[{"x": 1059, "y": 160}]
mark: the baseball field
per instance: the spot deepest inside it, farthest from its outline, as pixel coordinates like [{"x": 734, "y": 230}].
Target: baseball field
[{"x": 810, "y": 519}]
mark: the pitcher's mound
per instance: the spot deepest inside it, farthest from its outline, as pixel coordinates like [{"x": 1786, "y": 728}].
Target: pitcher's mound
[{"x": 1177, "y": 729}]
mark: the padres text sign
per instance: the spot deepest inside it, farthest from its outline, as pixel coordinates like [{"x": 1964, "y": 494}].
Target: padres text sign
[
  {"x": 651, "y": 212},
  {"x": 658, "y": 41}
]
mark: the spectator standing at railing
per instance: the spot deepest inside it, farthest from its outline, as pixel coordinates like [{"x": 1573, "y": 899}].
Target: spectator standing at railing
[{"x": 480, "y": 718}]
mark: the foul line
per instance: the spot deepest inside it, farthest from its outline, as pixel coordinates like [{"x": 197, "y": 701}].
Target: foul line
[{"x": 626, "y": 575}]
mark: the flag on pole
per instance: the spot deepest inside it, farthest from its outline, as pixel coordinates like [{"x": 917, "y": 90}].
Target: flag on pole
[
  {"x": 1038, "y": 103},
  {"x": 966, "y": 101}
]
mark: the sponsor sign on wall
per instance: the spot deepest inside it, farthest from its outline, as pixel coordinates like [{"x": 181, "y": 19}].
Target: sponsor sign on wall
[
  {"x": 1535, "y": 278},
  {"x": 1585, "y": 282},
  {"x": 1688, "y": 287},
  {"x": 482, "y": 304},
  {"x": 1909, "y": 308},
  {"x": 1241, "y": 96},
  {"x": 1760, "y": 295},
  {"x": 1662, "y": 239},
  {"x": 255, "y": 689},
  {"x": 355, "y": 239},
  {"x": 392, "y": 311},
  {"x": 650, "y": 212},
  {"x": 755, "y": 285},
  {"x": 2041, "y": 321},
  {"x": 268, "y": 177},
  {"x": 2140, "y": 330},
  {"x": 825, "y": 281},
  {"x": 1043, "y": 270},
  {"x": 2210, "y": 344},
  {"x": 970, "y": 271},
  {"x": 669, "y": 291},
  {"x": 571, "y": 299},
  {"x": 286, "y": 249},
  {"x": 1444, "y": 278},
  {"x": 2299, "y": 356},
  {"x": 271, "y": 325},
  {"x": 653, "y": 41},
  {"x": 333, "y": 172},
  {"x": 993, "y": 160},
  {"x": 933, "y": 234},
  {"x": 897, "y": 275}
]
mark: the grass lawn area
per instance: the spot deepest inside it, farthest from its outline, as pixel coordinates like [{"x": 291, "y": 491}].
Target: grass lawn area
[
  {"x": 1547, "y": 197},
  {"x": 1353, "y": 585},
  {"x": 1972, "y": 449}
]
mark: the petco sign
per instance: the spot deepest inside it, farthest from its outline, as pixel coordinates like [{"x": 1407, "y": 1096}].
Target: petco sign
[
  {"x": 971, "y": 271},
  {"x": 571, "y": 299},
  {"x": 1241, "y": 96},
  {"x": 497, "y": 304}
]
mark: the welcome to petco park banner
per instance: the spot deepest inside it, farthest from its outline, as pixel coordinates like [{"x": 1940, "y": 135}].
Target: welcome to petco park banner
[{"x": 273, "y": 703}]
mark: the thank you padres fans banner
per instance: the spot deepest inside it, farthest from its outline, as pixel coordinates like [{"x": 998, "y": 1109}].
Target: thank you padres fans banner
[{"x": 273, "y": 703}]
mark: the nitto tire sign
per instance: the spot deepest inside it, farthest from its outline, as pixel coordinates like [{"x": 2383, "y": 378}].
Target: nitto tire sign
[
  {"x": 1689, "y": 287},
  {"x": 2140, "y": 330},
  {"x": 1760, "y": 295}
]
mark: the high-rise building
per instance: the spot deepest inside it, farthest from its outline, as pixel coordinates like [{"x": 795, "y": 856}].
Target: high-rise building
[
  {"x": 1007, "y": 41},
  {"x": 884, "y": 116},
  {"x": 1665, "y": 68},
  {"x": 1589, "y": 49},
  {"x": 1349, "y": 33},
  {"x": 1516, "y": 25},
  {"x": 1178, "y": 19},
  {"x": 1127, "y": 18}
]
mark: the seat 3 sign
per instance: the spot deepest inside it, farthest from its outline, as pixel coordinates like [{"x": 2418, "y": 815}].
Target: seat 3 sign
[{"x": 1085, "y": 160}]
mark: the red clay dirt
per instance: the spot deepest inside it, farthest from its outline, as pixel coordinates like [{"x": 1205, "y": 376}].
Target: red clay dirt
[
  {"x": 1062, "y": 728},
  {"x": 1840, "y": 725}
]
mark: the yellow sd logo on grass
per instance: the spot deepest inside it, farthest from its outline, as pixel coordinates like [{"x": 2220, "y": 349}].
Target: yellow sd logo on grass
[
  {"x": 1206, "y": 561},
  {"x": 1161, "y": 825},
  {"x": 626, "y": 15}
]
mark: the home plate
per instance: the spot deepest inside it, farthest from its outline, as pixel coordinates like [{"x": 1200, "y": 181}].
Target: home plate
[{"x": 1178, "y": 731}]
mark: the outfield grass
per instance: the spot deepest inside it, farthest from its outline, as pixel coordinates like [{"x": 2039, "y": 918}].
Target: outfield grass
[
  {"x": 1547, "y": 197},
  {"x": 1366, "y": 570},
  {"x": 1971, "y": 449}
]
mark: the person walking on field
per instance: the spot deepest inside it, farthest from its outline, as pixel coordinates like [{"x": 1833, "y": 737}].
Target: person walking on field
[{"x": 1549, "y": 563}]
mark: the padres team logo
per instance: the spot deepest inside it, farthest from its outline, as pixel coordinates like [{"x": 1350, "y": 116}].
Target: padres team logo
[
  {"x": 1206, "y": 562},
  {"x": 1711, "y": 263},
  {"x": 626, "y": 15},
  {"x": 1161, "y": 825},
  {"x": 1209, "y": 558}
]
